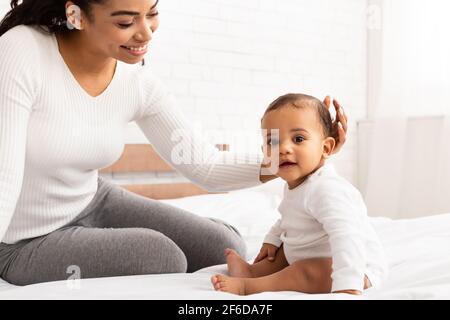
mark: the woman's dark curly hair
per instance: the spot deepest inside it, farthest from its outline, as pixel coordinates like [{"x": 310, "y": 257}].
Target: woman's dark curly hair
[{"x": 48, "y": 14}]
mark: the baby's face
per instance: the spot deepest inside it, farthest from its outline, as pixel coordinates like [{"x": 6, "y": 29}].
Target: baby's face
[{"x": 301, "y": 142}]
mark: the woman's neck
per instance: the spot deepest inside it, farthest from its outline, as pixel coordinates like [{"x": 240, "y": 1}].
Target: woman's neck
[{"x": 79, "y": 57}]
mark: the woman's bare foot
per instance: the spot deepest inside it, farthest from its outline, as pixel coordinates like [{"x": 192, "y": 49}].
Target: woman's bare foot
[
  {"x": 237, "y": 267},
  {"x": 228, "y": 284}
]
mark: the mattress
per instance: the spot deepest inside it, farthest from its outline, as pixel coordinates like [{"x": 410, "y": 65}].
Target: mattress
[{"x": 418, "y": 252}]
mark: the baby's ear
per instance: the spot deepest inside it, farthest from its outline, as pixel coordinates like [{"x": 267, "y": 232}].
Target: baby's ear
[{"x": 328, "y": 146}]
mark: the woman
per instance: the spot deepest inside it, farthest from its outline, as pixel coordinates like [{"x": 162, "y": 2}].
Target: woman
[{"x": 71, "y": 78}]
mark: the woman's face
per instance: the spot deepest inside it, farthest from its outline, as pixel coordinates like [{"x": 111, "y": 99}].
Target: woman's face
[{"x": 122, "y": 29}]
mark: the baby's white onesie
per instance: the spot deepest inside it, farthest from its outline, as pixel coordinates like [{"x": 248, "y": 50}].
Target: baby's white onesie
[{"x": 326, "y": 217}]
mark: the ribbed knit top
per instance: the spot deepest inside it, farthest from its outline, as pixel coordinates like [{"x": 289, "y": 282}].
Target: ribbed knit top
[{"x": 54, "y": 136}]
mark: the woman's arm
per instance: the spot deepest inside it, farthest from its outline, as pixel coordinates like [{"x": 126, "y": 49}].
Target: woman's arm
[
  {"x": 17, "y": 87},
  {"x": 186, "y": 149},
  {"x": 265, "y": 175}
]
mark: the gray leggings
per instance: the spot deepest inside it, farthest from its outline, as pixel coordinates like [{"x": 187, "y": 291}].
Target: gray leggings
[{"x": 120, "y": 234}]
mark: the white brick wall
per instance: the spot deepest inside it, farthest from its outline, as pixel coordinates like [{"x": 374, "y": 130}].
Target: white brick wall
[
  {"x": 226, "y": 60},
  {"x": 4, "y": 6}
]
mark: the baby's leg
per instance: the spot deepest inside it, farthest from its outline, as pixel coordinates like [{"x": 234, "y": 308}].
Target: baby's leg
[
  {"x": 307, "y": 276},
  {"x": 311, "y": 276},
  {"x": 238, "y": 267}
]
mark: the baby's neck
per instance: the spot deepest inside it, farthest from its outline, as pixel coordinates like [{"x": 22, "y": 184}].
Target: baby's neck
[{"x": 297, "y": 183}]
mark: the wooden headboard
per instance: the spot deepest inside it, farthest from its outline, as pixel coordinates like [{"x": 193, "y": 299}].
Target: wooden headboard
[{"x": 143, "y": 158}]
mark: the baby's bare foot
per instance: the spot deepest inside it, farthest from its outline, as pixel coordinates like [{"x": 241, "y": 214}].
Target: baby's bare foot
[
  {"x": 237, "y": 267},
  {"x": 228, "y": 284}
]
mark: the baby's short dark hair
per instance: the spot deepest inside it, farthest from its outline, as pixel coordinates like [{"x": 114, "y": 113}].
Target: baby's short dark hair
[{"x": 299, "y": 100}]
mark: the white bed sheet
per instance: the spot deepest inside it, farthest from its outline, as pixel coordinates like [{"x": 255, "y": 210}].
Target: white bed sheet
[{"x": 418, "y": 252}]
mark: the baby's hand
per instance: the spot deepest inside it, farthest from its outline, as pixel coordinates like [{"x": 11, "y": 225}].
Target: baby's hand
[{"x": 267, "y": 250}]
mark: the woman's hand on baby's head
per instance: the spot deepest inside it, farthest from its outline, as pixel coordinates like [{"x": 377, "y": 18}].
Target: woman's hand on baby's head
[
  {"x": 267, "y": 251},
  {"x": 340, "y": 126}
]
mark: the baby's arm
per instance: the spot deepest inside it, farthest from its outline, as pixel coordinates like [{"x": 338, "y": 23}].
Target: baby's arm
[
  {"x": 271, "y": 243},
  {"x": 273, "y": 237},
  {"x": 337, "y": 209}
]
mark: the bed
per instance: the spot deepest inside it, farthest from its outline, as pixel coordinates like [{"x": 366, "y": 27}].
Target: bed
[{"x": 418, "y": 252}]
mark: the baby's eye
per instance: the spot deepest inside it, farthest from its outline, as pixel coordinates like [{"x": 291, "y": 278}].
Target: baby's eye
[
  {"x": 299, "y": 139},
  {"x": 272, "y": 142}
]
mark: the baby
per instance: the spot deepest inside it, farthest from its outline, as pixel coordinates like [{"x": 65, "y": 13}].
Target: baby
[{"x": 324, "y": 241}]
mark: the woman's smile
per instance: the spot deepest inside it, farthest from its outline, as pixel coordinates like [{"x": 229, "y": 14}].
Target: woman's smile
[{"x": 136, "y": 51}]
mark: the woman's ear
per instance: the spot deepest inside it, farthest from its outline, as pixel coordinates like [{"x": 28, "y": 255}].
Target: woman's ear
[
  {"x": 73, "y": 14},
  {"x": 328, "y": 146}
]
